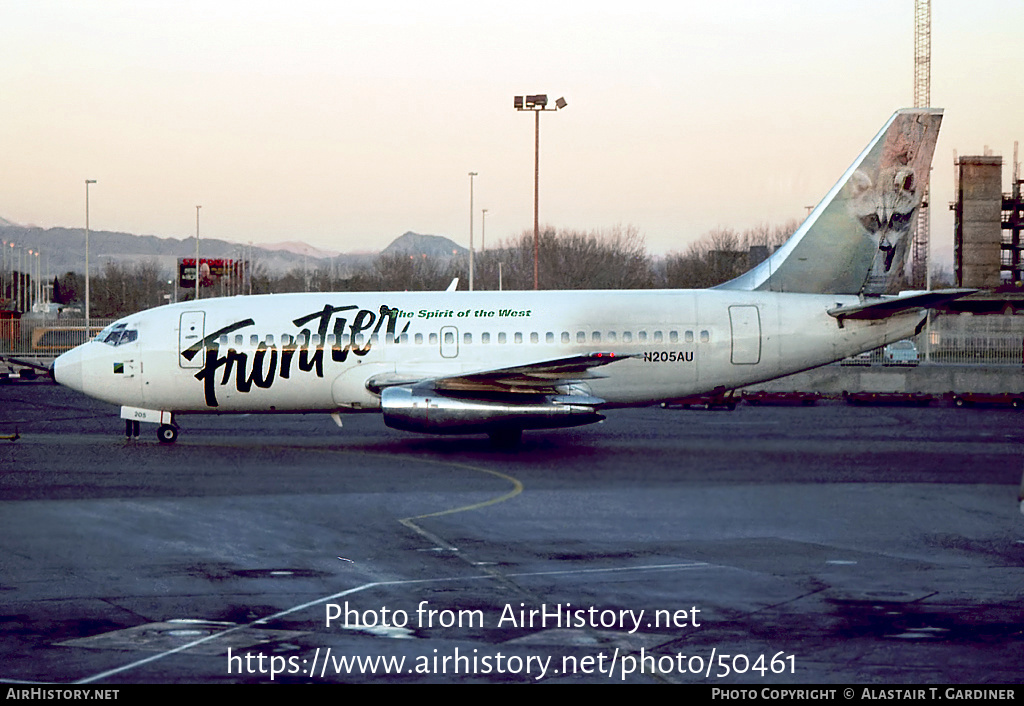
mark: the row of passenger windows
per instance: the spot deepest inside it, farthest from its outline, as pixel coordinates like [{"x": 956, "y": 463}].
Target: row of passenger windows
[{"x": 485, "y": 338}]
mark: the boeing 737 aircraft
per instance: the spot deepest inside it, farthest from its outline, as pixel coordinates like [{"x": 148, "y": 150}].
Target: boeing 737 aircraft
[{"x": 501, "y": 362}]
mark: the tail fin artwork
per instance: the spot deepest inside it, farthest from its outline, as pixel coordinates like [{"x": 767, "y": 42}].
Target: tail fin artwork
[{"x": 857, "y": 239}]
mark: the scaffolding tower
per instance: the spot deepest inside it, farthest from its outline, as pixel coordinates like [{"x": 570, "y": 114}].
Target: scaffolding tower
[{"x": 1012, "y": 246}]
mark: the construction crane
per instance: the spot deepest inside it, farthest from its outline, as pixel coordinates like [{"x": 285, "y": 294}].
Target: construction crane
[{"x": 920, "y": 276}]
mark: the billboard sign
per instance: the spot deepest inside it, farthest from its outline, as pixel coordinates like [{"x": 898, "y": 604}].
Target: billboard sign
[{"x": 210, "y": 271}]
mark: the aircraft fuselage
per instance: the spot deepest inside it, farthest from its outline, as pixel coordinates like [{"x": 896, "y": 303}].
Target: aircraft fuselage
[{"x": 317, "y": 351}]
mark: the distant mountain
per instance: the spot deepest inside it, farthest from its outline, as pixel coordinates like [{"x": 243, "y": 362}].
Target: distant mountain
[
  {"x": 430, "y": 245},
  {"x": 63, "y": 249},
  {"x": 300, "y": 248}
]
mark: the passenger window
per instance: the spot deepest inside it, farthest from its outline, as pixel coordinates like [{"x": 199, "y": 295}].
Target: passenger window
[
  {"x": 596, "y": 337},
  {"x": 673, "y": 337},
  {"x": 534, "y": 337},
  {"x": 254, "y": 340},
  {"x": 565, "y": 336},
  {"x": 501, "y": 337},
  {"x": 315, "y": 340},
  {"x": 658, "y": 338},
  {"x": 643, "y": 337},
  {"x": 689, "y": 336},
  {"x": 223, "y": 340},
  {"x": 485, "y": 338},
  {"x": 611, "y": 337},
  {"x": 270, "y": 339},
  {"x": 705, "y": 336},
  {"x": 627, "y": 336},
  {"x": 549, "y": 337},
  {"x": 433, "y": 339},
  {"x": 419, "y": 338},
  {"x": 467, "y": 338},
  {"x": 581, "y": 337},
  {"x": 518, "y": 337}
]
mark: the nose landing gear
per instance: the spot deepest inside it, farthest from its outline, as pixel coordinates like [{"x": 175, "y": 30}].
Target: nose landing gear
[
  {"x": 131, "y": 428},
  {"x": 167, "y": 432}
]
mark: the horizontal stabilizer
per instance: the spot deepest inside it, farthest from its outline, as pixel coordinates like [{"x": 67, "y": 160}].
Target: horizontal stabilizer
[
  {"x": 884, "y": 307},
  {"x": 25, "y": 363}
]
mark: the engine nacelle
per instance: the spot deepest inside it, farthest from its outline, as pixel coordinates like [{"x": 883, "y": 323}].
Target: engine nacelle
[{"x": 432, "y": 413}]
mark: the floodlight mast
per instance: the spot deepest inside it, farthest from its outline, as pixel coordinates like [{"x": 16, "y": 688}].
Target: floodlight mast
[
  {"x": 471, "y": 175},
  {"x": 88, "y": 321},
  {"x": 537, "y": 104},
  {"x": 197, "y": 252}
]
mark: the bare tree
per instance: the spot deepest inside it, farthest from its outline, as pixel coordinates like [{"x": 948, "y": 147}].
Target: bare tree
[
  {"x": 124, "y": 289},
  {"x": 723, "y": 254},
  {"x": 614, "y": 258}
]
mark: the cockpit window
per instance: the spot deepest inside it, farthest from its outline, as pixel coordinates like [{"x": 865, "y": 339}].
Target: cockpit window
[{"x": 117, "y": 335}]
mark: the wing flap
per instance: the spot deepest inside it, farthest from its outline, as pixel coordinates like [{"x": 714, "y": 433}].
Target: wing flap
[{"x": 542, "y": 376}]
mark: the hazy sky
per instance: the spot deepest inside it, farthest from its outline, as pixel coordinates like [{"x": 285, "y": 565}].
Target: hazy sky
[{"x": 346, "y": 124}]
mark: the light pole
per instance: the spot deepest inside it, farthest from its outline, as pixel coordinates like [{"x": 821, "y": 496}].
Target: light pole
[
  {"x": 17, "y": 281},
  {"x": 538, "y": 104},
  {"x": 197, "y": 252},
  {"x": 39, "y": 277},
  {"x": 471, "y": 175},
  {"x": 14, "y": 280},
  {"x": 483, "y": 229},
  {"x": 87, "y": 310},
  {"x": 22, "y": 279},
  {"x": 3, "y": 270},
  {"x": 33, "y": 271},
  {"x": 13, "y": 289}
]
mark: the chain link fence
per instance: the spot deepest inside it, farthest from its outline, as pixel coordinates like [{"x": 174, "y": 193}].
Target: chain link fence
[
  {"x": 967, "y": 339},
  {"x": 45, "y": 339}
]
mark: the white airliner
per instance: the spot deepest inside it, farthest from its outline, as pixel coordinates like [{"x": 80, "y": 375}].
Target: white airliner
[{"x": 501, "y": 362}]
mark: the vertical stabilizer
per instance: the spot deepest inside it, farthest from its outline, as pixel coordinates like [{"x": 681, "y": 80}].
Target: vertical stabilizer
[{"x": 857, "y": 239}]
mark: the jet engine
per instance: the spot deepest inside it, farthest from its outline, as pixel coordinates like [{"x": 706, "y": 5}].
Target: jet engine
[{"x": 429, "y": 412}]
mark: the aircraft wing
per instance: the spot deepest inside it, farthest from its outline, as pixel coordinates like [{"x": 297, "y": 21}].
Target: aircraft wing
[{"x": 544, "y": 376}]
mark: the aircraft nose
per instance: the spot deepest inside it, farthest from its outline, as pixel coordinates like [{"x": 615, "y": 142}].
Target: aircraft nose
[{"x": 67, "y": 369}]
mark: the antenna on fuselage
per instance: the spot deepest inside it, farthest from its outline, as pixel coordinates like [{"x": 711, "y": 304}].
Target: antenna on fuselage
[{"x": 453, "y": 286}]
